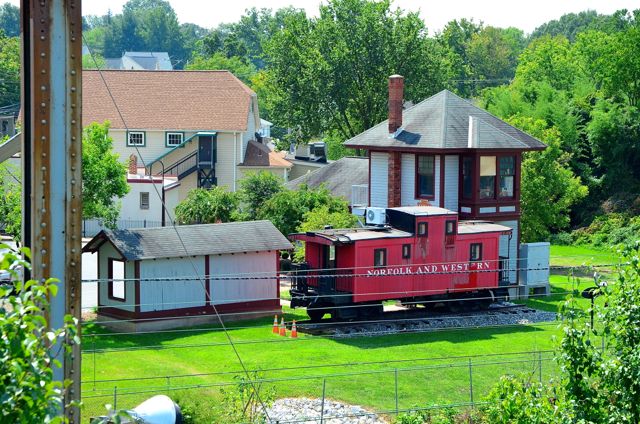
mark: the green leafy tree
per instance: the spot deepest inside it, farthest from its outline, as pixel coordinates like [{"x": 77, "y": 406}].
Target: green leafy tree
[
  {"x": 242, "y": 70},
  {"x": 286, "y": 209},
  {"x": 93, "y": 61},
  {"x": 330, "y": 73},
  {"x": 11, "y": 201},
  {"x": 322, "y": 216},
  {"x": 258, "y": 187},
  {"x": 104, "y": 178},
  {"x": 571, "y": 25},
  {"x": 208, "y": 206},
  {"x": 9, "y": 70},
  {"x": 29, "y": 392},
  {"x": 549, "y": 188},
  {"x": 10, "y": 20},
  {"x": 493, "y": 53}
]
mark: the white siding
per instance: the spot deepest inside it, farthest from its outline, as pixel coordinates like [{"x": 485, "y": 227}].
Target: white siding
[
  {"x": 408, "y": 180},
  {"x": 105, "y": 252},
  {"x": 131, "y": 202},
  {"x": 153, "y": 148},
  {"x": 510, "y": 248},
  {"x": 379, "y": 179},
  {"x": 233, "y": 291},
  {"x": 187, "y": 292},
  {"x": 227, "y": 161},
  {"x": 451, "y": 163}
]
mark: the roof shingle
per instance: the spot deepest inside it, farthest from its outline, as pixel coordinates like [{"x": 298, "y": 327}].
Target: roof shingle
[
  {"x": 166, "y": 100},
  {"x": 205, "y": 239},
  {"x": 442, "y": 122}
]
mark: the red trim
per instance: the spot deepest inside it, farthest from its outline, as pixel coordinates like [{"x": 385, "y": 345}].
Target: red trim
[
  {"x": 442, "y": 176},
  {"x": 416, "y": 179},
  {"x": 144, "y": 181},
  {"x": 369, "y": 188},
  {"x": 136, "y": 270},
  {"x": 110, "y": 295},
  {"x": 207, "y": 280},
  {"x": 226, "y": 308}
]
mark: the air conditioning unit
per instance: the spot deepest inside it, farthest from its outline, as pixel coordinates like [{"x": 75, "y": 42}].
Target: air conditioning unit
[{"x": 376, "y": 216}]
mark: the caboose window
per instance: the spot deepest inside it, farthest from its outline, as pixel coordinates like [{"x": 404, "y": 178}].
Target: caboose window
[
  {"x": 379, "y": 258},
  {"x": 423, "y": 229},
  {"x": 450, "y": 228},
  {"x": 426, "y": 176},
  {"x": 406, "y": 251},
  {"x": 475, "y": 252}
]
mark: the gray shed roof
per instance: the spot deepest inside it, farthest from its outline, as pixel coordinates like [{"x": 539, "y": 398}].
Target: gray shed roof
[
  {"x": 206, "y": 239},
  {"x": 442, "y": 122},
  {"x": 338, "y": 176}
]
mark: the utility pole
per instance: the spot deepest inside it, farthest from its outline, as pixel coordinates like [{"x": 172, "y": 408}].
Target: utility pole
[{"x": 52, "y": 161}]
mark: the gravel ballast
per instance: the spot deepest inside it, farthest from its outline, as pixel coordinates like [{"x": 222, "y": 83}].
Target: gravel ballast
[{"x": 306, "y": 410}]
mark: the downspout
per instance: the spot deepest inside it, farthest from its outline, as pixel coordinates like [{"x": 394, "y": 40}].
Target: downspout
[{"x": 235, "y": 159}]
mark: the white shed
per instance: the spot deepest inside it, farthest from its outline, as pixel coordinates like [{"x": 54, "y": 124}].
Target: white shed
[{"x": 169, "y": 277}]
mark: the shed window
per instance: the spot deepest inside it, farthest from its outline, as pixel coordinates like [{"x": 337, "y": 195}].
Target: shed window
[
  {"x": 135, "y": 138},
  {"x": 406, "y": 251},
  {"x": 425, "y": 176},
  {"x": 379, "y": 258},
  {"x": 116, "y": 277},
  {"x": 450, "y": 228},
  {"x": 144, "y": 200},
  {"x": 475, "y": 252},
  {"x": 507, "y": 175},
  {"x": 423, "y": 229},
  {"x": 174, "y": 139}
]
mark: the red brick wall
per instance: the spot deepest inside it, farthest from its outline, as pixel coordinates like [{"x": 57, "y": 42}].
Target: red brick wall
[{"x": 394, "y": 180}]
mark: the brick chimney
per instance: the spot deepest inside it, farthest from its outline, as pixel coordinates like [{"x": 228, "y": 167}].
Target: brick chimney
[
  {"x": 133, "y": 165},
  {"x": 396, "y": 94}
]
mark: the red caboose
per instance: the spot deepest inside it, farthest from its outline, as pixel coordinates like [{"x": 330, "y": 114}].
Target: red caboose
[{"x": 423, "y": 255}]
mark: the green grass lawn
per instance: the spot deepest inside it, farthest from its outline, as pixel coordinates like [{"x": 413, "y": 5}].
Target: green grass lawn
[
  {"x": 581, "y": 255},
  {"x": 432, "y": 368}
]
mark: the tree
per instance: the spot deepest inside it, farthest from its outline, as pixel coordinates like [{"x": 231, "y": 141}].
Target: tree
[
  {"x": 93, "y": 61},
  {"x": 493, "y": 53},
  {"x": 10, "y": 20},
  {"x": 330, "y": 73},
  {"x": 549, "y": 188},
  {"x": 286, "y": 208},
  {"x": 9, "y": 70},
  {"x": 322, "y": 216},
  {"x": 29, "y": 392},
  {"x": 208, "y": 206},
  {"x": 242, "y": 70},
  {"x": 454, "y": 40},
  {"x": 104, "y": 178},
  {"x": 257, "y": 188},
  {"x": 11, "y": 201}
]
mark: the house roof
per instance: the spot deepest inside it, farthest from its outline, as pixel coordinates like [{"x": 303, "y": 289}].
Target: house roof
[
  {"x": 206, "y": 239},
  {"x": 441, "y": 122},
  {"x": 150, "y": 61},
  {"x": 337, "y": 176},
  {"x": 166, "y": 100},
  {"x": 258, "y": 154}
]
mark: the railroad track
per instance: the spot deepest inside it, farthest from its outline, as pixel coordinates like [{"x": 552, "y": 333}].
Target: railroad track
[{"x": 417, "y": 321}]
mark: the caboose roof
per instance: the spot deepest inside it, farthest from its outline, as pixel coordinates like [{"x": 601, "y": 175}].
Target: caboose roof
[
  {"x": 424, "y": 210},
  {"x": 347, "y": 235},
  {"x": 475, "y": 227}
]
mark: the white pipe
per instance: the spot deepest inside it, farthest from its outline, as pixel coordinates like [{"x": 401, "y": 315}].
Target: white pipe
[{"x": 235, "y": 159}]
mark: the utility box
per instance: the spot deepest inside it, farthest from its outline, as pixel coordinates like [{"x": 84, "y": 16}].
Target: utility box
[{"x": 534, "y": 269}]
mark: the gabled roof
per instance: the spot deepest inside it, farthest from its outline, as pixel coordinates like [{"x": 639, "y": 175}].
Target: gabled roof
[
  {"x": 206, "y": 239},
  {"x": 258, "y": 154},
  {"x": 337, "y": 176},
  {"x": 166, "y": 100},
  {"x": 150, "y": 61},
  {"x": 441, "y": 122}
]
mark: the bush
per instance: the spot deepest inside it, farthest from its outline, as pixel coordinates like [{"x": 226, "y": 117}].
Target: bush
[
  {"x": 562, "y": 239},
  {"x": 609, "y": 231}
]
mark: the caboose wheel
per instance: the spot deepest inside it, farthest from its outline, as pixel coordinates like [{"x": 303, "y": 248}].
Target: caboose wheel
[{"x": 315, "y": 313}]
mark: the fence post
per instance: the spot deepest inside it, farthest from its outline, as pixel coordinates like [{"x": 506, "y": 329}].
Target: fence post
[
  {"x": 94, "y": 362},
  {"x": 115, "y": 398},
  {"x": 396, "y": 372},
  {"x": 470, "y": 383},
  {"x": 324, "y": 385},
  {"x": 540, "y": 364}
]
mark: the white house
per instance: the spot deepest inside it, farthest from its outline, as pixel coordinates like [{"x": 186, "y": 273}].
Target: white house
[{"x": 170, "y": 277}]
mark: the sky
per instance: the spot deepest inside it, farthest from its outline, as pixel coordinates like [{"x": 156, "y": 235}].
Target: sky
[{"x": 526, "y": 15}]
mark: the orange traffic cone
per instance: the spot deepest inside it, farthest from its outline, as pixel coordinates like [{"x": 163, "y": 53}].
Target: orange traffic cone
[
  {"x": 294, "y": 330},
  {"x": 275, "y": 330},
  {"x": 283, "y": 329}
]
